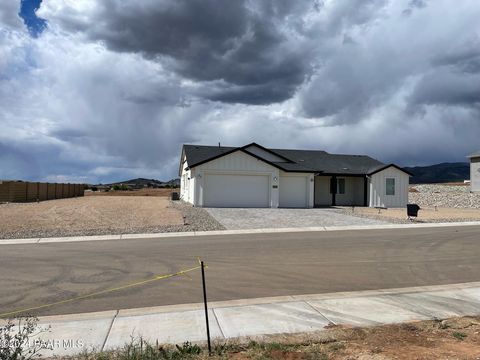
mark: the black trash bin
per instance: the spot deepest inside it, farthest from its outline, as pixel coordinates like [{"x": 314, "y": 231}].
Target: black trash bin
[
  {"x": 175, "y": 196},
  {"x": 412, "y": 210}
]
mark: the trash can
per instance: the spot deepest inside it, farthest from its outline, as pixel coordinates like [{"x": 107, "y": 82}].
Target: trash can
[
  {"x": 412, "y": 210},
  {"x": 175, "y": 196}
]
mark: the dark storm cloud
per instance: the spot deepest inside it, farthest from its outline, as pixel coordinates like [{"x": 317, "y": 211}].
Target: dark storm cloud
[
  {"x": 454, "y": 78},
  {"x": 244, "y": 44},
  {"x": 111, "y": 89},
  {"x": 443, "y": 87}
]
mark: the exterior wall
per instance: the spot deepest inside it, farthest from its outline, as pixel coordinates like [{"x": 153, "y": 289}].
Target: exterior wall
[
  {"x": 310, "y": 185},
  {"x": 236, "y": 163},
  {"x": 377, "y": 188},
  {"x": 475, "y": 174},
  {"x": 187, "y": 185},
  {"x": 264, "y": 154}
]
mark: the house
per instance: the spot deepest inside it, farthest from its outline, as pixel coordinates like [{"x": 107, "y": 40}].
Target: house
[
  {"x": 475, "y": 172},
  {"x": 254, "y": 176}
]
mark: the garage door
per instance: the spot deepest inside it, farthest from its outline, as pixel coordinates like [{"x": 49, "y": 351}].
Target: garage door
[
  {"x": 293, "y": 191},
  {"x": 236, "y": 191}
]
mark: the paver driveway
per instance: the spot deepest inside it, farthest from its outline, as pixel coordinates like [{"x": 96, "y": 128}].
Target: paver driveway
[{"x": 240, "y": 218}]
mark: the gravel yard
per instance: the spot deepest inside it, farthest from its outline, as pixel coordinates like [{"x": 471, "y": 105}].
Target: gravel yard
[
  {"x": 438, "y": 203},
  {"x": 101, "y": 215},
  {"x": 446, "y": 196}
]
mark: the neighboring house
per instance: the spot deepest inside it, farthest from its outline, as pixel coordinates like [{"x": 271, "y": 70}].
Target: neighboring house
[
  {"x": 254, "y": 176},
  {"x": 475, "y": 172}
]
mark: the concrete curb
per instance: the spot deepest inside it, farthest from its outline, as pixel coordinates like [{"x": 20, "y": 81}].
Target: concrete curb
[{"x": 231, "y": 232}]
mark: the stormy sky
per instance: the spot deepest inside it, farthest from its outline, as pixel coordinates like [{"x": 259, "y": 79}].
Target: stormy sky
[{"x": 99, "y": 91}]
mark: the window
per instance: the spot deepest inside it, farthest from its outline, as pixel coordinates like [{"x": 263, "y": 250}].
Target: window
[
  {"x": 390, "y": 186},
  {"x": 340, "y": 186}
]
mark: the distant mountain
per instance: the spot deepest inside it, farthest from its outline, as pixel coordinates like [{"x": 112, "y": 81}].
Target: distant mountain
[
  {"x": 439, "y": 173},
  {"x": 175, "y": 182},
  {"x": 146, "y": 183}
]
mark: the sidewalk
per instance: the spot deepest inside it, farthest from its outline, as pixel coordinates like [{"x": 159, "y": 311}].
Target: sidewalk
[{"x": 71, "y": 334}]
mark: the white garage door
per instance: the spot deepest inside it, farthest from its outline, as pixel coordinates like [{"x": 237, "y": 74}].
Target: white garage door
[
  {"x": 293, "y": 191},
  {"x": 236, "y": 191}
]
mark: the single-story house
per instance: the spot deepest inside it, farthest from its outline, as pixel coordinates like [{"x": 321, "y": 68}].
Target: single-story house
[
  {"x": 254, "y": 176},
  {"x": 475, "y": 172}
]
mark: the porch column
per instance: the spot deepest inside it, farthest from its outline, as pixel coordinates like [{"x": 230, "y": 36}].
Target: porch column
[
  {"x": 365, "y": 191},
  {"x": 333, "y": 189}
]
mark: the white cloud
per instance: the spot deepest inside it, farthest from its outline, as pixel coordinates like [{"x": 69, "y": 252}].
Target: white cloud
[{"x": 9, "y": 18}]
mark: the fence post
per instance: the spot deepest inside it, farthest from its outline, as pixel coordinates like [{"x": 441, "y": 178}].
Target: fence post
[{"x": 206, "y": 307}]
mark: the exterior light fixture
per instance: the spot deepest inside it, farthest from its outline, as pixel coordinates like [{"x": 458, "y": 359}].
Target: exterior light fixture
[{"x": 275, "y": 179}]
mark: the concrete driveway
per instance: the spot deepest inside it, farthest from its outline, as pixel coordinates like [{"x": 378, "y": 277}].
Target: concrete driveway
[{"x": 237, "y": 218}]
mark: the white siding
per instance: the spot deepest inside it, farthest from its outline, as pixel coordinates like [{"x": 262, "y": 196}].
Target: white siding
[
  {"x": 475, "y": 174},
  {"x": 236, "y": 163},
  {"x": 187, "y": 184},
  {"x": 377, "y": 184}
]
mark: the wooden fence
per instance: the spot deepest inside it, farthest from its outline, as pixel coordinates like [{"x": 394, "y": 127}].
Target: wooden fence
[{"x": 20, "y": 191}]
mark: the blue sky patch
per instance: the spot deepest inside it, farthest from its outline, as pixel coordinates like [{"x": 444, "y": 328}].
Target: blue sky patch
[{"x": 34, "y": 24}]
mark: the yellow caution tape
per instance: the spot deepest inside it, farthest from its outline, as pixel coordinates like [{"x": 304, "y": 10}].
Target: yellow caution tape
[{"x": 155, "y": 278}]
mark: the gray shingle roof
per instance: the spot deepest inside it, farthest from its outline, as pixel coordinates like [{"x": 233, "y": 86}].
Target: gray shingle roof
[
  {"x": 475, "y": 154},
  {"x": 299, "y": 160}
]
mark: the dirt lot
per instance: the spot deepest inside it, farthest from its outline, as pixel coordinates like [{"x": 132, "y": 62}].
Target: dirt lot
[
  {"x": 424, "y": 215},
  {"x": 87, "y": 215},
  {"x": 457, "y": 338}
]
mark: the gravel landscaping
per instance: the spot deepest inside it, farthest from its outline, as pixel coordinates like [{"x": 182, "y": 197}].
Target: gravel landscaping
[
  {"x": 438, "y": 203},
  {"x": 448, "y": 196},
  {"x": 101, "y": 215}
]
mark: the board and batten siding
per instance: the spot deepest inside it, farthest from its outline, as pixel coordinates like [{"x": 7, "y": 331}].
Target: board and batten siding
[
  {"x": 475, "y": 174},
  {"x": 378, "y": 192},
  {"x": 239, "y": 163},
  {"x": 187, "y": 184}
]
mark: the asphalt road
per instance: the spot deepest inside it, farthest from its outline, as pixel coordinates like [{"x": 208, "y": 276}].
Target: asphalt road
[{"x": 240, "y": 266}]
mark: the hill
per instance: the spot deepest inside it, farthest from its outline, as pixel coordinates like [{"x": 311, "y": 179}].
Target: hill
[
  {"x": 439, "y": 173},
  {"x": 146, "y": 183}
]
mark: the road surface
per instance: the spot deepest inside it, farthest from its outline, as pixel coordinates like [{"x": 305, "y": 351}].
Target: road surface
[{"x": 240, "y": 266}]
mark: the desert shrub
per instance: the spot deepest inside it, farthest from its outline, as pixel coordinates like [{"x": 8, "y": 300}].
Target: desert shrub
[
  {"x": 17, "y": 339},
  {"x": 121, "y": 187}
]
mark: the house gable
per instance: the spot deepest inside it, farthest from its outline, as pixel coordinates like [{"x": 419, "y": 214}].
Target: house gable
[{"x": 238, "y": 160}]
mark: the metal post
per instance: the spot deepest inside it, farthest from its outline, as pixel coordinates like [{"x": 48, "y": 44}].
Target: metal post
[{"x": 206, "y": 308}]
